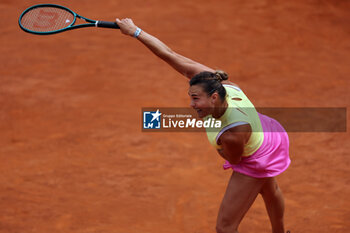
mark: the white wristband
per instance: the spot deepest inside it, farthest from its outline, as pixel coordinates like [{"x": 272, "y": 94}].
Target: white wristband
[{"x": 137, "y": 32}]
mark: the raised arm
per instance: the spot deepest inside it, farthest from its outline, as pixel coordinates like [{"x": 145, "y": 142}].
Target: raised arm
[{"x": 184, "y": 65}]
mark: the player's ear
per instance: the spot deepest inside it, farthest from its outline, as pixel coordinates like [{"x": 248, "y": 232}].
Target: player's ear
[{"x": 214, "y": 97}]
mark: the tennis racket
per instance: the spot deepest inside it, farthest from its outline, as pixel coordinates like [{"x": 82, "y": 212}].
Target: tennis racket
[{"x": 44, "y": 19}]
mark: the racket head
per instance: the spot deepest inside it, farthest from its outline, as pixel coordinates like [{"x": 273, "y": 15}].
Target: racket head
[{"x": 46, "y": 19}]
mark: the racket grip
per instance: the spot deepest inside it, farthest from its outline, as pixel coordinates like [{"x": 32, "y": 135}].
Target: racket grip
[{"x": 105, "y": 24}]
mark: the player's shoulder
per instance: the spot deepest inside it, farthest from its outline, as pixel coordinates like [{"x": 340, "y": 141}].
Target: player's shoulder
[
  {"x": 229, "y": 83},
  {"x": 238, "y": 134}
]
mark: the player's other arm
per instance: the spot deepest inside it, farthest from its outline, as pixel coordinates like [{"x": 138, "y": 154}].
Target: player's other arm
[
  {"x": 233, "y": 141},
  {"x": 184, "y": 65}
]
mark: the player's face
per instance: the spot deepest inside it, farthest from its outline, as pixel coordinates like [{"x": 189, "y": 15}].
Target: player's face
[{"x": 200, "y": 101}]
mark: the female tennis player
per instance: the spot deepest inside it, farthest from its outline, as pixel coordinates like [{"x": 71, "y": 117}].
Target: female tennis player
[{"x": 255, "y": 146}]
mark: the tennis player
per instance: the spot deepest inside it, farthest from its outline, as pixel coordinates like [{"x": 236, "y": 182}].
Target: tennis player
[{"x": 255, "y": 146}]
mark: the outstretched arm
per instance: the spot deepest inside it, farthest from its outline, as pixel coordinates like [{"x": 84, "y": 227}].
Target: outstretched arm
[{"x": 184, "y": 65}]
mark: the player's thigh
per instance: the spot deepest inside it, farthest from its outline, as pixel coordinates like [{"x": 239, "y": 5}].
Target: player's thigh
[{"x": 240, "y": 194}]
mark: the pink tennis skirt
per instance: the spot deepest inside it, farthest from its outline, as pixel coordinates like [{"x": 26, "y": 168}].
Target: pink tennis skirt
[{"x": 272, "y": 157}]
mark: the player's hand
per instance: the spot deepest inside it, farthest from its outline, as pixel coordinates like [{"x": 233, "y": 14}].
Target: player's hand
[{"x": 127, "y": 26}]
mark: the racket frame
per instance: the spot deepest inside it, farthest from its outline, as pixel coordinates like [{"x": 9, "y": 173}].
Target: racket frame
[{"x": 91, "y": 23}]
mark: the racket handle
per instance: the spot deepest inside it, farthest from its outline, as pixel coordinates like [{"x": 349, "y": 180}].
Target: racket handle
[{"x": 105, "y": 24}]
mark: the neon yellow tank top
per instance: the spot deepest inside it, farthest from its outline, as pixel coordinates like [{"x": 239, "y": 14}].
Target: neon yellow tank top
[{"x": 240, "y": 111}]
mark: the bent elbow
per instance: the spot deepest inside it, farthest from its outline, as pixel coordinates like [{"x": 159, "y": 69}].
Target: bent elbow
[
  {"x": 235, "y": 161},
  {"x": 234, "y": 158}
]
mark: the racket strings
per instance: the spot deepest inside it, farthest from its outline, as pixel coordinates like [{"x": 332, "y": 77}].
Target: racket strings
[{"x": 46, "y": 19}]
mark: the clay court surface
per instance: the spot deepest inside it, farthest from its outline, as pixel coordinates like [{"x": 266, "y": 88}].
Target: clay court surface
[{"x": 74, "y": 158}]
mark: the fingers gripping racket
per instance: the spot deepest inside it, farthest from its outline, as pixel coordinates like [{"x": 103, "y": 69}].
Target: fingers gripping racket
[{"x": 44, "y": 19}]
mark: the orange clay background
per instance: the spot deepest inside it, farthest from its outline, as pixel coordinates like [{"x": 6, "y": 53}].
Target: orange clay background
[{"x": 74, "y": 158}]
